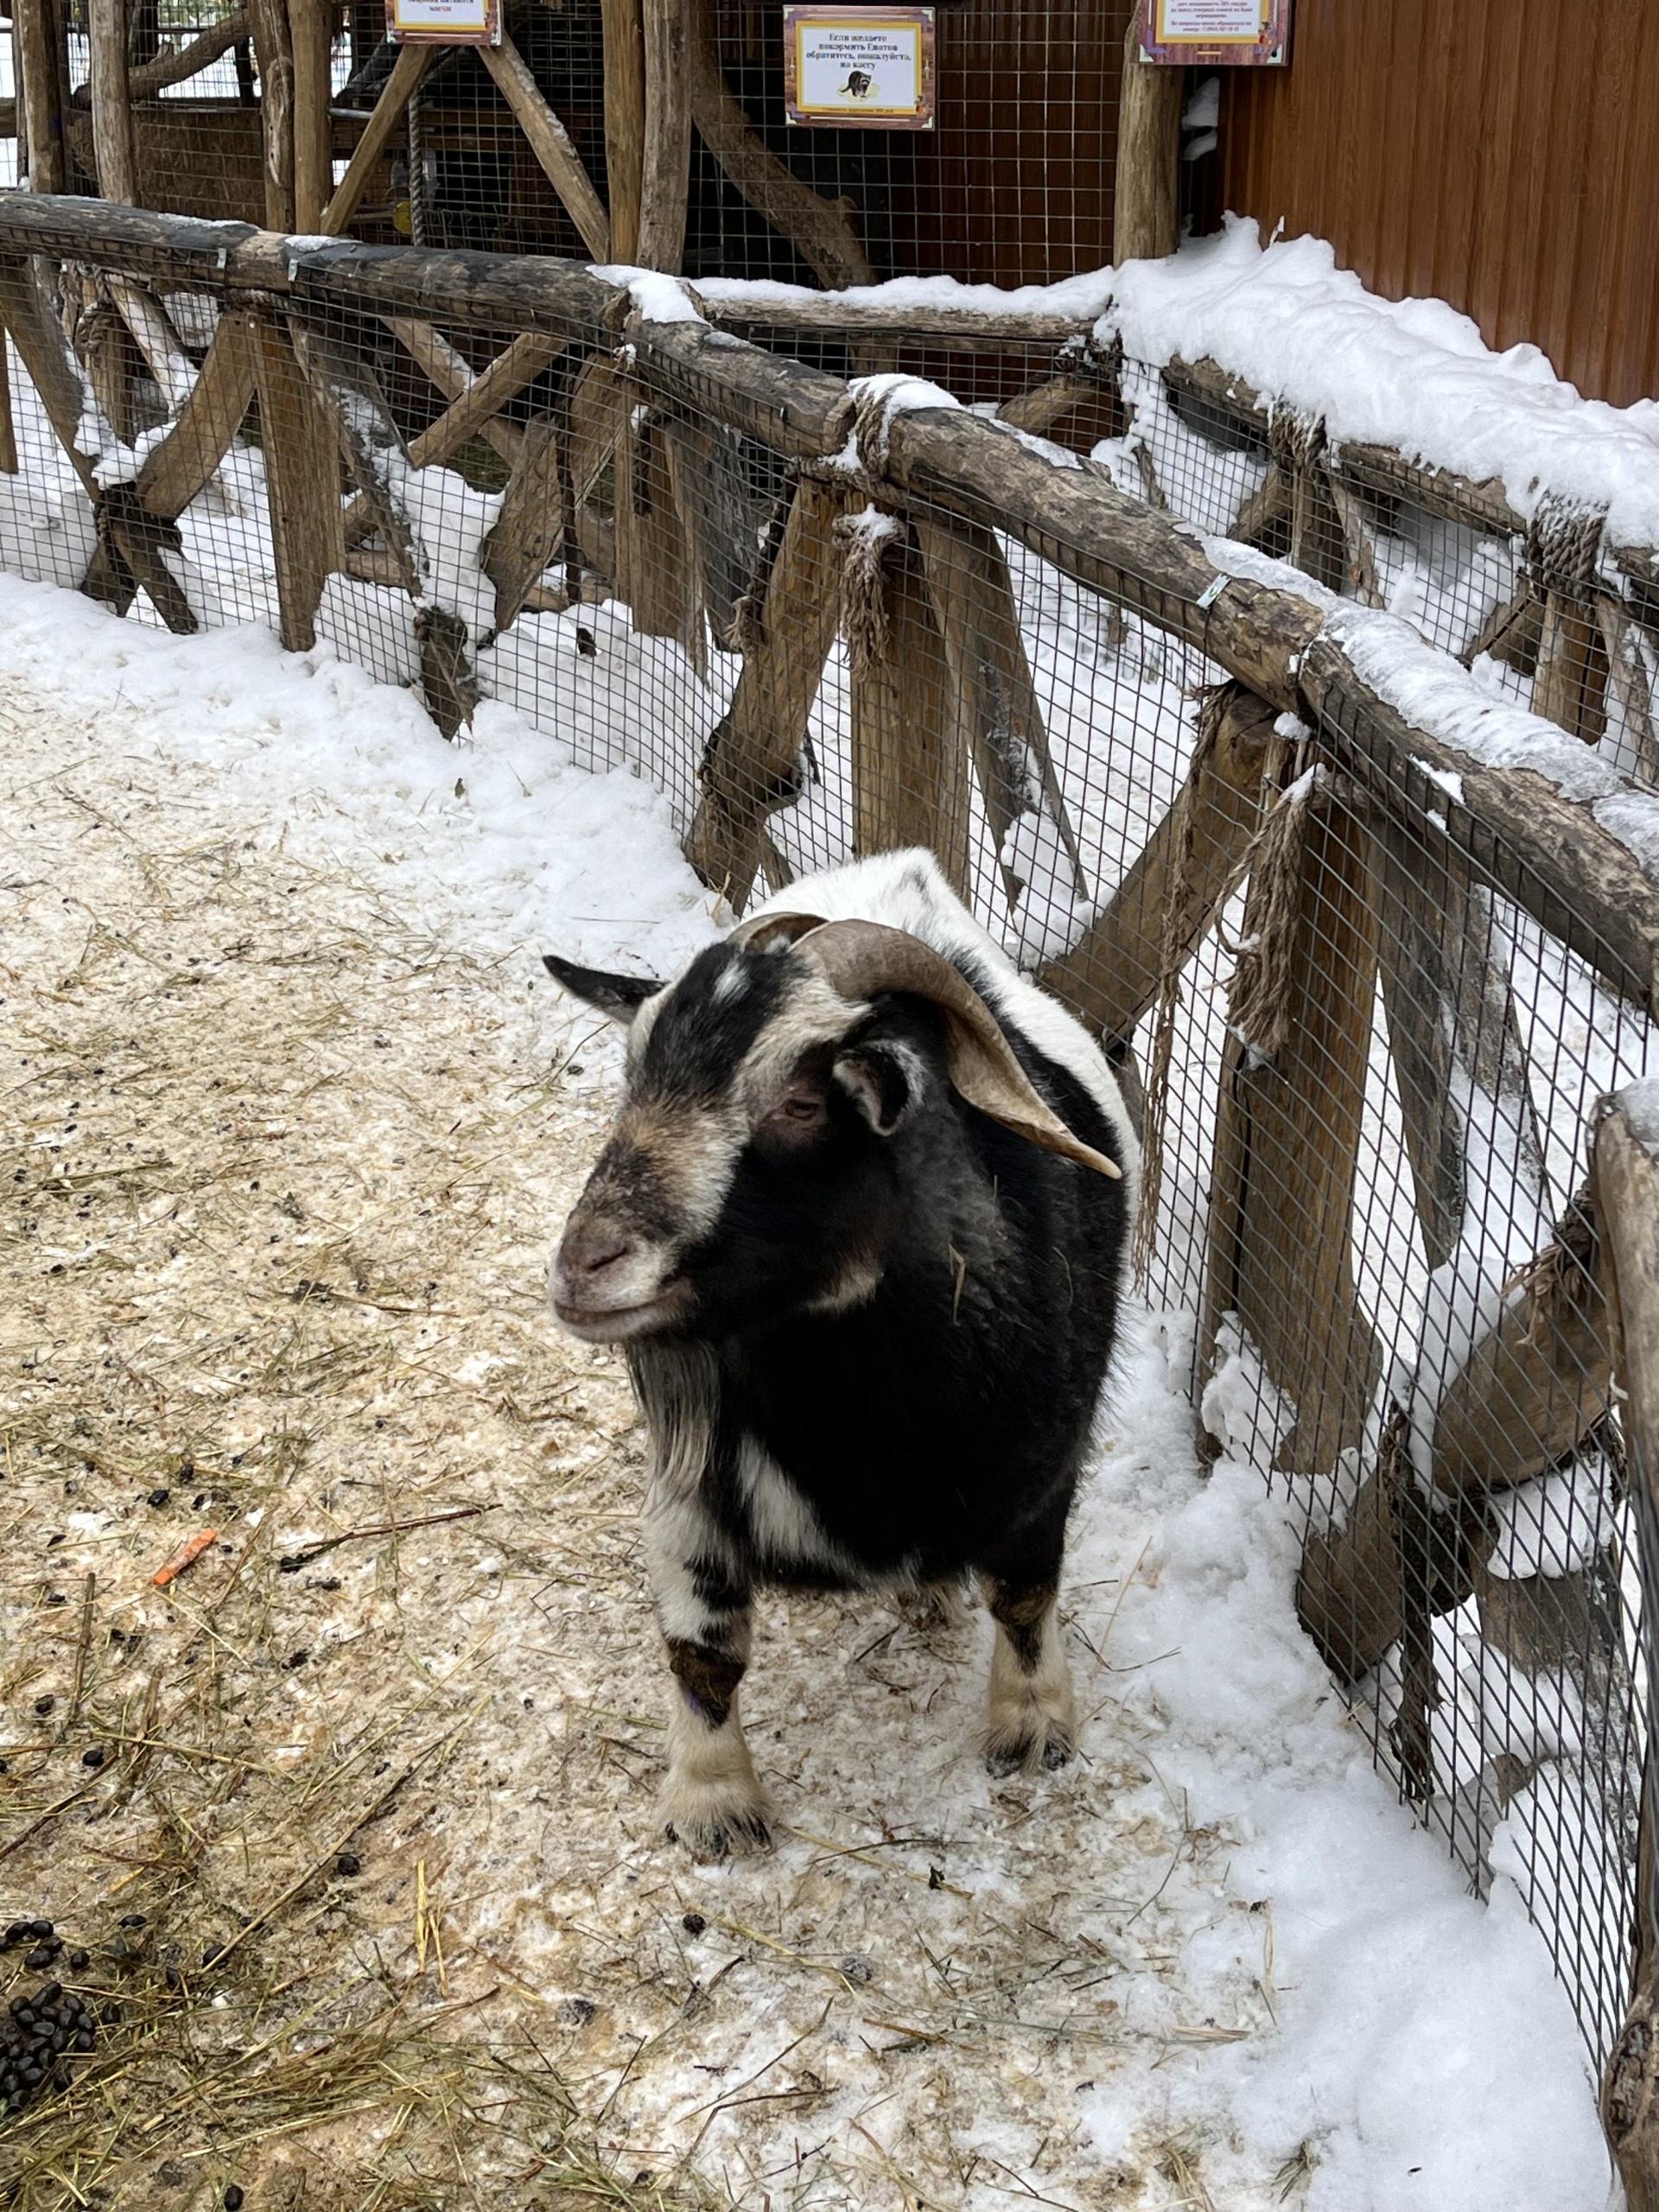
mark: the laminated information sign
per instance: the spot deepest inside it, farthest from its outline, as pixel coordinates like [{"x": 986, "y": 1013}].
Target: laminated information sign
[
  {"x": 444, "y": 22},
  {"x": 1216, "y": 34},
  {"x": 859, "y": 69}
]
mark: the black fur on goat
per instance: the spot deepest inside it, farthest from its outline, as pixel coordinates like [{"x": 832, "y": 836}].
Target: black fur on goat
[{"x": 864, "y": 1249}]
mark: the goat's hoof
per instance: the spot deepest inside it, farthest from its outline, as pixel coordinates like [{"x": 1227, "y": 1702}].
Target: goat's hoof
[
  {"x": 710, "y": 1839},
  {"x": 1042, "y": 1750}
]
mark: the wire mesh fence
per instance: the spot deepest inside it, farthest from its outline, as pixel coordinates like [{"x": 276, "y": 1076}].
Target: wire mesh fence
[{"x": 1372, "y": 1028}]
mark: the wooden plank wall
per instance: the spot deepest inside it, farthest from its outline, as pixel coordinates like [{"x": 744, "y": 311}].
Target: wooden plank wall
[{"x": 1498, "y": 154}]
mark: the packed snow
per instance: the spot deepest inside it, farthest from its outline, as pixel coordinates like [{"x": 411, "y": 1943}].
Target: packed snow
[{"x": 1215, "y": 1952}]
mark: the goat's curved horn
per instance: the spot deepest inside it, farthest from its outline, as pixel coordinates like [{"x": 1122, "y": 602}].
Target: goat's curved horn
[
  {"x": 767, "y": 930},
  {"x": 860, "y": 958}
]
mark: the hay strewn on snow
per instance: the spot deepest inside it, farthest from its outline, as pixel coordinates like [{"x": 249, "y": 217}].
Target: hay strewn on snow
[{"x": 281, "y": 1169}]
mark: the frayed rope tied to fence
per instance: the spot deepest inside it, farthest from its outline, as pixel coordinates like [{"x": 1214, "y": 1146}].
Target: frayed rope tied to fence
[
  {"x": 1259, "y": 993},
  {"x": 865, "y": 538},
  {"x": 1563, "y": 551}
]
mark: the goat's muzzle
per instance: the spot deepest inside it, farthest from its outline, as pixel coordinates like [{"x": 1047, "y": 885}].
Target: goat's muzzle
[{"x": 607, "y": 1282}]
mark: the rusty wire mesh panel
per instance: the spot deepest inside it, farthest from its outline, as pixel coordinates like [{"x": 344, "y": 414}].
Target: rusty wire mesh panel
[{"x": 1370, "y": 1218}]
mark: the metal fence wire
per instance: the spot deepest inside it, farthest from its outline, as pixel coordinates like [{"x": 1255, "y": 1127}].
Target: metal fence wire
[{"x": 1370, "y": 1032}]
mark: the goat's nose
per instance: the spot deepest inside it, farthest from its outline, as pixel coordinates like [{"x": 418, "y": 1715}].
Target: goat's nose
[{"x": 589, "y": 1247}]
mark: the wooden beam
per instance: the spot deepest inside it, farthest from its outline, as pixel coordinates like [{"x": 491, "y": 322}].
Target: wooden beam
[
  {"x": 1145, "y": 210},
  {"x": 42, "y": 114},
  {"x": 624, "y": 122},
  {"x": 117, "y": 170},
  {"x": 273, "y": 47},
  {"x": 1624, "y": 1176},
  {"x": 474, "y": 412},
  {"x": 1043, "y": 405},
  {"x": 1279, "y": 1249},
  {"x": 1546, "y": 852},
  {"x": 302, "y": 484},
  {"x": 819, "y": 230},
  {"x": 529, "y": 528},
  {"x": 598, "y": 404},
  {"x": 940, "y": 330},
  {"x": 1628, "y": 673},
  {"x": 156, "y": 338},
  {"x": 311, "y": 25},
  {"x": 1535, "y": 1385},
  {"x": 655, "y": 564},
  {"x": 909, "y": 758},
  {"x": 183, "y": 463},
  {"x": 551, "y": 144},
  {"x": 7, "y": 433},
  {"x": 1453, "y": 1037},
  {"x": 488, "y": 392},
  {"x": 349, "y": 398},
  {"x": 1077, "y": 518},
  {"x": 514, "y": 292},
  {"x": 751, "y": 761},
  {"x": 407, "y": 72},
  {"x": 667, "y": 171},
  {"x": 800, "y": 412},
  {"x": 1000, "y": 723},
  {"x": 48, "y": 362},
  {"x": 1110, "y": 977}
]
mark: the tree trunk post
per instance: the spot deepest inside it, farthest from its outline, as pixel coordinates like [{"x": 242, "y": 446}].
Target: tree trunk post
[
  {"x": 1146, "y": 219},
  {"x": 117, "y": 174},
  {"x": 311, "y": 24},
  {"x": 666, "y": 170},
  {"x": 624, "y": 122},
  {"x": 42, "y": 113}
]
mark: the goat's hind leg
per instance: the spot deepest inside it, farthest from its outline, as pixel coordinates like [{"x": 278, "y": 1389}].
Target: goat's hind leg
[
  {"x": 712, "y": 1801},
  {"x": 1032, "y": 1720}
]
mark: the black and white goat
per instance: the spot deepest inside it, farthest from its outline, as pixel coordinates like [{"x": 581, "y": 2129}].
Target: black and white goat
[{"x": 860, "y": 1227}]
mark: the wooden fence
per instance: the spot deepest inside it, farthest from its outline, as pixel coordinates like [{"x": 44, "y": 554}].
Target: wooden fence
[{"x": 1374, "y": 857}]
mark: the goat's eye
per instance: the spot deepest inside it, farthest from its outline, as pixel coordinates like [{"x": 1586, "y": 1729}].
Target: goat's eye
[{"x": 804, "y": 1110}]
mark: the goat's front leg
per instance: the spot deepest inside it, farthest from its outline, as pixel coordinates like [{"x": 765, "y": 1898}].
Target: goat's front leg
[
  {"x": 1031, "y": 1721},
  {"x": 712, "y": 1801}
]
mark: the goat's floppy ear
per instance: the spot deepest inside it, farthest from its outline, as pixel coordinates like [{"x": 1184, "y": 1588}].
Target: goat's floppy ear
[
  {"x": 858, "y": 959},
  {"x": 620, "y": 996},
  {"x": 883, "y": 1079}
]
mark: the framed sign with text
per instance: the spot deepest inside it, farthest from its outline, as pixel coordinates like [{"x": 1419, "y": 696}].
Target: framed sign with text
[
  {"x": 444, "y": 22},
  {"x": 1216, "y": 34},
  {"x": 859, "y": 68}
]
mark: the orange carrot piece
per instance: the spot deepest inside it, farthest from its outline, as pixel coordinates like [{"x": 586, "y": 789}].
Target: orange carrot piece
[{"x": 186, "y": 1555}]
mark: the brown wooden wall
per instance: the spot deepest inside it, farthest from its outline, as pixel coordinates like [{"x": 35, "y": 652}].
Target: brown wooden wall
[{"x": 1503, "y": 155}]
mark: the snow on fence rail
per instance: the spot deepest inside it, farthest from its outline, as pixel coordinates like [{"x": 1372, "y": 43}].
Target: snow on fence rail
[{"x": 1380, "y": 937}]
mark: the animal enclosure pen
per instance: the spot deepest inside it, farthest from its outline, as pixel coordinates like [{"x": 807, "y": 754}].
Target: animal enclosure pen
[{"x": 1375, "y": 983}]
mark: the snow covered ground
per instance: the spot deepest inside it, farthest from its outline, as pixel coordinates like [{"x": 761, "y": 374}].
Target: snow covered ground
[{"x": 1213, "y": 1963}]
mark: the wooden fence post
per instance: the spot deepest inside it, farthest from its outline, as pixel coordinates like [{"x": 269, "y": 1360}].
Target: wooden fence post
[
  {"x": 1146, "y": 220},
  {"x": 1625, "y": 1174},
  {"x": 42, "y": 113},
  {"x": 1287, "y": 1155},
  {"x": 118, "y": 177},
  {"x": 624, "y": 122},
  {"x": 302, "y": 477},
  {"x": 311, "y": 24},
  {"x": 666, "y": 167},
  {"x": 1001, "y": 721},
  {"x": 1110, "y": 976},
  {"x": 273, "y": 47},
  {"x": 909, "y": 757},
  {"x": 750, "y": 762}
]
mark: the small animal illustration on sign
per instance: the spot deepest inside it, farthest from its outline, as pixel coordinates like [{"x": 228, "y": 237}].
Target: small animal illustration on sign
[{"x": 859, "y": 85}]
